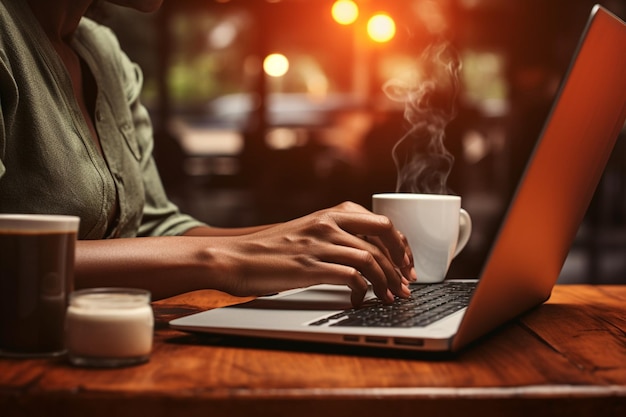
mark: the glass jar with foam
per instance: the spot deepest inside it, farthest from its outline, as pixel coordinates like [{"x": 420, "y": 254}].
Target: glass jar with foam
[{"x": 109, "y": 327}]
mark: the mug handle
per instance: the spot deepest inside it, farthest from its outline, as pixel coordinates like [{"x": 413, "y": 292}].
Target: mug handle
[{"x": 465, "y": 230}]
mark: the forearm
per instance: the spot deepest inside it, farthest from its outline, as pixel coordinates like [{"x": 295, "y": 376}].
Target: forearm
[
  {"x": 219, "y": 231},
  {"x": 324, "y": 247},
  {"x": 165, "y": 266}
]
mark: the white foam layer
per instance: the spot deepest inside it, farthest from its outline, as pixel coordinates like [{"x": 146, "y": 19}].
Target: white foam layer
[{"x": 38, "y": 223}]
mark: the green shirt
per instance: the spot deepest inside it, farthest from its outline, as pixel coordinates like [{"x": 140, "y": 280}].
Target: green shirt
[{"x": 49, "y": 162}]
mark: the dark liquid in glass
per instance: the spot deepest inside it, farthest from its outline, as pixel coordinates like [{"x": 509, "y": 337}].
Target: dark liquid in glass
[{"x": 36, "y": 278}]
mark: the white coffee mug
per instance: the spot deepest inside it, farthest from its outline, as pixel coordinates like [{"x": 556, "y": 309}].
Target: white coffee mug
[{"x": 436, "y": 227}]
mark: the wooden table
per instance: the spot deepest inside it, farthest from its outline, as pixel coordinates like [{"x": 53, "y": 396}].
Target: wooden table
[{"x": 567, "y": 357}]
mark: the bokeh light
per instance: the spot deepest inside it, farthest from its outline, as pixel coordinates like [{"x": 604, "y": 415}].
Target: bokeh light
[
  {"x": 381, "y": 28},
  {"x": 276, "y": 65},
  {"x": 345, "y": 12}
]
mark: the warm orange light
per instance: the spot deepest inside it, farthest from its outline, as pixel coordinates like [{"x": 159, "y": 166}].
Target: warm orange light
[
  {"x": 345, "y": 12},
  {"x": 381, "y": 28},
  {"x": 276, "y": 65}
]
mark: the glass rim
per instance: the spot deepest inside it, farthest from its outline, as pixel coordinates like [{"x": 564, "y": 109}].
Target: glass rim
[
  {"x": 39, "y": 222},
  {"x": 415, "y": 196},
  {"x": 110, "y": 297}
]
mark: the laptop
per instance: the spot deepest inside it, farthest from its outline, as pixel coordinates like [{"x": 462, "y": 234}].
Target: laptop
[{"x": 528, "y": 252}]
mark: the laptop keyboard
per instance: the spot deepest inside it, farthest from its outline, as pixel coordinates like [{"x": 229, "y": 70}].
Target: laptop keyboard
[{"x": 427, "y": 304}]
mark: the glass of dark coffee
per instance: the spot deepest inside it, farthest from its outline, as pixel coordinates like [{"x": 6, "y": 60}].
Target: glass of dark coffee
[{"x": 36, "y": 278}]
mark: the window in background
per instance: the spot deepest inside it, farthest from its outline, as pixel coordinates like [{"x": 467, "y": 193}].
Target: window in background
[{"x": 209, "y": 57}]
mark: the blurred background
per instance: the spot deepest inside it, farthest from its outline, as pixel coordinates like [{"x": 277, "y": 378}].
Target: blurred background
[{"x": 265, "y": 110}]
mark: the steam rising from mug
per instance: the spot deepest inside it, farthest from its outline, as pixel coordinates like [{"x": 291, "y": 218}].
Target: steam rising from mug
[{"x": 422, "y": 161}]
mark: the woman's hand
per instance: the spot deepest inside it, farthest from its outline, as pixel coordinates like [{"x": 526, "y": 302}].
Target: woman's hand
[{"x": 344, "y": 245}]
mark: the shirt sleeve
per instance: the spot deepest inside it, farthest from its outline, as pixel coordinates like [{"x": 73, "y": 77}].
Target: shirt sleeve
[
  {"x": 4, "y": 79},
  {"x": 160, "y": 216},
  {"x": 2, "y": 143}
]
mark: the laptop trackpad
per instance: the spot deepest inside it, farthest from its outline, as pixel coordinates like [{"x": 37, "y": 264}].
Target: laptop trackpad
[{"x": 318, "y": 297}]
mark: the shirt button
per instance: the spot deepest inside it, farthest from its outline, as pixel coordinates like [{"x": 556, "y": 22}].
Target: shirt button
[{"x": 99, "y": 116}]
